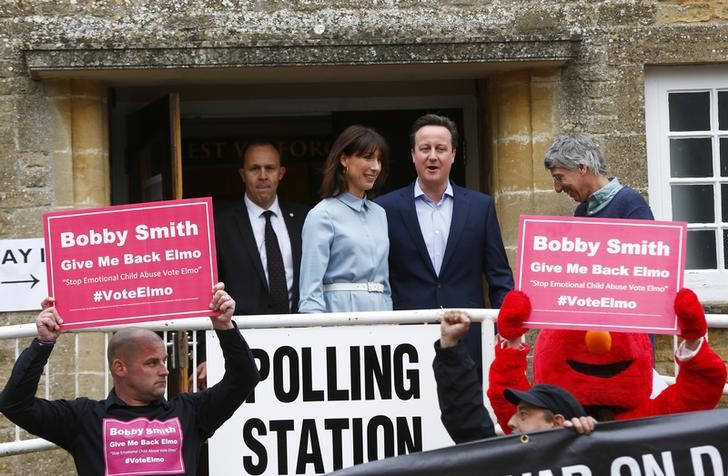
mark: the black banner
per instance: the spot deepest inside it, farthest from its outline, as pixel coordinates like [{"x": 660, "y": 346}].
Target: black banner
[{"x": 686, "y": 444}]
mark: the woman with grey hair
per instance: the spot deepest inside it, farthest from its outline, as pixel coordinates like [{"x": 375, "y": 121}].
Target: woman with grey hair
[{"x": 578, "y": 169}]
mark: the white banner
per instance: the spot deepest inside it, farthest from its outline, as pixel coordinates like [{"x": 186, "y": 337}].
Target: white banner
[
  {"x": 23, "y": 283},
  {"x": 330, "y": 397}
]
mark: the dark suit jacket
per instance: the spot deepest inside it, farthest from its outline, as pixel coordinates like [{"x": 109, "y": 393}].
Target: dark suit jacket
[
  {"x": 474, "y": 250},
  {"x": 238, "y": 261}
]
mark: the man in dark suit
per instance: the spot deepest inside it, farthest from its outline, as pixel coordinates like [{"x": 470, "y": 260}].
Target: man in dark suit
[
  {"x": 240, "y": 240},
  {"x": 443, "y": 239},
  {"x": 240, "y": 235}
]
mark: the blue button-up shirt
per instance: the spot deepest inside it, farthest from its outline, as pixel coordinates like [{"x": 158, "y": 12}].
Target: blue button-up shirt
[{"x": 435, "y": 219}]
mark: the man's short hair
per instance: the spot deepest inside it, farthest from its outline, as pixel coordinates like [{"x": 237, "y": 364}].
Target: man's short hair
[
  {"x": 262, "y": 143},
  {"x": 549, "y": 397},
  {"x": 435, "y": 120},
  {"x": 125, "y": 342},
  {"x": 571, "y": 150}
]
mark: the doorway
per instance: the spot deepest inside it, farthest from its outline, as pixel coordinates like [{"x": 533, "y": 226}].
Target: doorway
[
  {"x": 212, "y": 150},
  {"x": 215, "y": 130}
]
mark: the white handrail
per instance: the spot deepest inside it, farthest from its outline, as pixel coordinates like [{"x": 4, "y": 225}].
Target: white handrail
[
  {"x": 277, "y": 321},
  {"x": 304, "y": 320},
  {"x": 25, "y": 446}
]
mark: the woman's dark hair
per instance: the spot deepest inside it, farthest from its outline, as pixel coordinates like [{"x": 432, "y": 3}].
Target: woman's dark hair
[{"x": 354, "y": 140}]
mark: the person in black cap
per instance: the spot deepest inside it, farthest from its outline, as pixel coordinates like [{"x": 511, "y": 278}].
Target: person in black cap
[
  {"x": 460, "y": 394},
  {"x": 545, "y": 407}
]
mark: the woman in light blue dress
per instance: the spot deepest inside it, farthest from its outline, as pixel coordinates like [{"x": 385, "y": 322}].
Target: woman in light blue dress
[{"x": 344, "y": 263}]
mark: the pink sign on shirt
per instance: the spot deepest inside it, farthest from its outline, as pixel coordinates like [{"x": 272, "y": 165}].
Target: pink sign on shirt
[
  {"x": 142, "y": 446},
  {"x": 131, "y": 263},
  {"x": 595, "y": 273}
]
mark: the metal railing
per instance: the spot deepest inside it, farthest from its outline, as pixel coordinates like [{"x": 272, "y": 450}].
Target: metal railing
[{"x": 487, "y": 316}]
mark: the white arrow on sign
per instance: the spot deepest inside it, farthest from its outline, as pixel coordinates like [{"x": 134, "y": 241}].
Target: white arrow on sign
[{"x": 23, "y": 283}]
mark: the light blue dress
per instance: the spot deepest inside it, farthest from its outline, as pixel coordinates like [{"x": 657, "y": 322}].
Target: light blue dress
[{"x": 345, "y": 240}]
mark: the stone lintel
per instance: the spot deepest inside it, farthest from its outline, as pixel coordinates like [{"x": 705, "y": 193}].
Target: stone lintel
[{"x": 54, "y": 63}]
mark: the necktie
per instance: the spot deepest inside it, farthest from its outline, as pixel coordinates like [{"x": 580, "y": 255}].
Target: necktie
[{"x": 277, "y": 284}]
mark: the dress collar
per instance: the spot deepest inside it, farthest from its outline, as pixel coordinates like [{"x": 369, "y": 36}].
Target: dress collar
[
  {"x": 419, "y": 193},
  {"x": 355, "y": 203},
  {"x": 257, "y": 211}
]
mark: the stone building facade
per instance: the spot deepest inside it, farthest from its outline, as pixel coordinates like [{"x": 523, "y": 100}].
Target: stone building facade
[{"x": 73, "y": 73}]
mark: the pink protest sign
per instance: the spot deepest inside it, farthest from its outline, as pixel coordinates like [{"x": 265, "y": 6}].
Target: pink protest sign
[
  {"x": 595, "y": 273},
  {"x": 131, "y": 263},
  {"x": 143, "y": 446}
]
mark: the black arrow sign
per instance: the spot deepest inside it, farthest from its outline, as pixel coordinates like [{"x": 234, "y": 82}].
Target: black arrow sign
[{"x": 34, "y": 281}]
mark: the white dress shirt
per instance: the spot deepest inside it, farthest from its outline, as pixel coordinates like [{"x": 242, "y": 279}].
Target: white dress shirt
[{"x": 257, "y": 222}]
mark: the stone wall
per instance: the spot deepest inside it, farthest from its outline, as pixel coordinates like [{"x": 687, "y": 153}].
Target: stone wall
[
  {"x": 691, "y": 11},
  {"x": 558, "y": 66}
]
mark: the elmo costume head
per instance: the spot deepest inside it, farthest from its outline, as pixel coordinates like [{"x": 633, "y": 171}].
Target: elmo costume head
[
  {"x": 599, "y": 368},
  {"x": 610, "y": 373}
]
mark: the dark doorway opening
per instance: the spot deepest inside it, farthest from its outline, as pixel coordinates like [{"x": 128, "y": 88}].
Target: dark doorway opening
[{"x": 212, "y": 150}]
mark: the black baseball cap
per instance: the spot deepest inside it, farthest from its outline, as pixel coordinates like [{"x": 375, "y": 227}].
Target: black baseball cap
[{"x": 550, "y": 397}]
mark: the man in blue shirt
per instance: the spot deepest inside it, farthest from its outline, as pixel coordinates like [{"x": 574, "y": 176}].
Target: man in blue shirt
[
  {"x": 578, "y": 169},
  {"x": 443, "y": 239},
  {"x": 577, "y": 166}
]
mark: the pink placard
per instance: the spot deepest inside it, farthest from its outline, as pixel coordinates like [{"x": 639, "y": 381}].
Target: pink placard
[
  {"x": 143, "y": 446},
  {"x": 595, "y": 273},
  {"x": 131, "y": 263}
]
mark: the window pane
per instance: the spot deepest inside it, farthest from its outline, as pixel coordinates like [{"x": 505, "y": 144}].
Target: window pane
[
  {"x": 689, "y": 111},
  {"x": 723, "y": 110},
  {"x": 693, "y": 203},
  {"x": 691, "y": 157},
  {"x": 701, "y": 250},
  {"x": 725, "y": 249},
  {"x": 723, "y": 157},
  {"x": 724, "y": 201}
]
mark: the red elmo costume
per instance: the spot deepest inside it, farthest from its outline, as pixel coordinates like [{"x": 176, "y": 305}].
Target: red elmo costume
[{"x": 609, "y": 373}]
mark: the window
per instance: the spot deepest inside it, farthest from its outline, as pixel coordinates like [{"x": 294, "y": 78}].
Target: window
[{"x": 686, "y": 111}]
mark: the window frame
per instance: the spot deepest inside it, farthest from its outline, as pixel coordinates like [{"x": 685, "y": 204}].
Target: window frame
[{"x": 709, "y": 284}]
